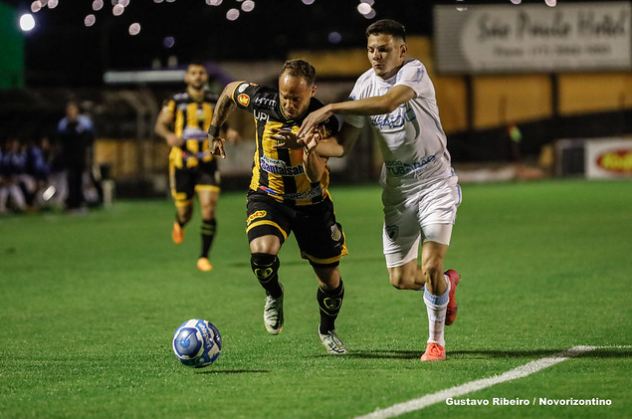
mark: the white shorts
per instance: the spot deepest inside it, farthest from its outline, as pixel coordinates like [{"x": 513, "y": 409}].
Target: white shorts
[{"x": 427, "y": 215}]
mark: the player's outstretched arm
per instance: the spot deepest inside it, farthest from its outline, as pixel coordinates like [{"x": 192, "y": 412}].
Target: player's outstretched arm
[
  {"x": 223, "y": 108},
  {"x": 376, "y": 105},
  {"x": 339, "y": 145}
]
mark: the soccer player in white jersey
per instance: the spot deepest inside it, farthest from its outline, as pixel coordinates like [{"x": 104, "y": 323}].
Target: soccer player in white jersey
[{"x": 420, "y": 191}]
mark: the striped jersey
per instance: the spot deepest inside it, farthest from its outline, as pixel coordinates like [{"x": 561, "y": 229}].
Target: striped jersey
[
  {"x": 411, "y": 138},
  {"x": 279, "y": 172},
  {"x": 191, "y": 121}
]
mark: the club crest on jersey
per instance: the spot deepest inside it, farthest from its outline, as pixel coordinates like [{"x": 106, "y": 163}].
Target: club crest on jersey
[
  {"x": 392, "y": 232},
  {"x": 243, "y": 99},
  {"x": 257, "y": 214},
  {"x": 336, "y": 234}
]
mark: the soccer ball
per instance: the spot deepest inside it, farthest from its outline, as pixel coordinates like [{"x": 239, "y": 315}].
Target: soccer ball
[{"x": 197, "y": 343}]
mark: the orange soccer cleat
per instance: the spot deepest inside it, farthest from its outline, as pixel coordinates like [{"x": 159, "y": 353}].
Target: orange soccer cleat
[
  {"x": 177, "y": 234},
  {"x": 204, "y": 264},
  {"x": 451, "y": 311},
  {"x": 434, "y": 352}
]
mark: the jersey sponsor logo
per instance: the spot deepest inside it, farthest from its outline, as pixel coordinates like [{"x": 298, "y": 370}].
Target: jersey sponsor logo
[
  {"x": 265, "y": 101},
  {"x": 303, "y": 196},
  {"x": 279, "y": 167},
  {"x": 194, "y": 133},
  {"x": 255, "y": 215},
  {"x": 242, "y": 87},
  {"x": 261, "y": 116},
  {"x": 617, "y": 161},
  {"x": 398, "y": 168},
  {"x": 243, "y": 99},
  {"x": 395, "y": 120}
]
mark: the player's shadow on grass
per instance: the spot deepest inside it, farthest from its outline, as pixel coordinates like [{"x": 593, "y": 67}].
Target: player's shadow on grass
[{"x": 234, "y": 372}]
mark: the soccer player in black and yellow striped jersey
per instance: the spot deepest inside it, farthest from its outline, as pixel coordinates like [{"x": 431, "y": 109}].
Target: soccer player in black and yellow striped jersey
[
  {"x": 288, "y": 193},
  {"x": 183, "y": 123}
]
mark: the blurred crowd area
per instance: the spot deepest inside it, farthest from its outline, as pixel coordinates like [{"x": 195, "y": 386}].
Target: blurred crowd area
[{"x": 34, "y": 176}]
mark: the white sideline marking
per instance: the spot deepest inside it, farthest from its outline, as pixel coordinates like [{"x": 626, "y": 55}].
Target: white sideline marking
[{"x": 460, "y": 390}]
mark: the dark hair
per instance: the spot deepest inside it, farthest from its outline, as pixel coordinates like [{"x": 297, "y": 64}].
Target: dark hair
[
  {"x": 300, "y": 68},
  {"x": 197, "y": 63},
  {"x": 388, "y": 27}
]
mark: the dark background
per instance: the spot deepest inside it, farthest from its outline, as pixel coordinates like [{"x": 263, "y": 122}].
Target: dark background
[{"x": 61, "y": 50}]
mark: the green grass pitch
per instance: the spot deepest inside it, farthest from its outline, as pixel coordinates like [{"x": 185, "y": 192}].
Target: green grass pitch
[{"x": 89, "y": 305}]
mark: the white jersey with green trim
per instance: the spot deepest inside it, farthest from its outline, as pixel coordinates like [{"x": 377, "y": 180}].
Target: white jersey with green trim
[{"x": 412, "y": 140}]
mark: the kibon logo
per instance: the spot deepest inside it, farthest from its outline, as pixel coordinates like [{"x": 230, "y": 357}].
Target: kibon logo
[
  {"x": 258, "y": 214},
  {"x": 243, "y": 99},
  {"x": 617, "y": 161}
]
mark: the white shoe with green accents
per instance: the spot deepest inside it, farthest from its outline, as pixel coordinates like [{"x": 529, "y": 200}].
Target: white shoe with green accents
[
  {"x": 332, "y": 342},
  {"x": 273, "y": 314}
]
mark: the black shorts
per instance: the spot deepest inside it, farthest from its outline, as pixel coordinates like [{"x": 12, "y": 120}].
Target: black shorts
[
  {"x": 320, "y": 238},
  {"x": 186, "y": 181}
]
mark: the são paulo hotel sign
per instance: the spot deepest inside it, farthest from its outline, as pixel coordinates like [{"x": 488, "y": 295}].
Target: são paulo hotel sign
[{"x": 533, "y": 38}]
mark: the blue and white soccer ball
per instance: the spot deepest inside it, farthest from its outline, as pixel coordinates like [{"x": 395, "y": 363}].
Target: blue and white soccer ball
[{"x": 197, "y": 343}]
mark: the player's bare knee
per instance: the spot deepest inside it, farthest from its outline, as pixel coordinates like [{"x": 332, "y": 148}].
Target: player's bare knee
[
  {"x": 328, "y": 275},
  {"x": 398, "y": 281}
]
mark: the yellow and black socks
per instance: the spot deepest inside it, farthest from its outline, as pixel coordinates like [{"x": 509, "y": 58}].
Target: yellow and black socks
[{"x": 209, "y": 227}]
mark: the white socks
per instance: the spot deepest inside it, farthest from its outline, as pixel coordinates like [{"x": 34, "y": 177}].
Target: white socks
[{"x": 436, "y": 306}]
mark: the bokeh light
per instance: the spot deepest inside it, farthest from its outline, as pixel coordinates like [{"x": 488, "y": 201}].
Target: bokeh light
[
  {"x": 89, "y": 20},
  {"x": 169, "y": 42},
  {"x": 334, "y": 37},
  {"x": 27, "y": 22},
  {"x": 118, "y": 10},
  {"x": 364, "y": 8},
  {"x": 134, "y": 29},
  {"x": 97, "y": 5},
  {"x": 248, "y": 6},
  {"x": 232, "y": 14}
]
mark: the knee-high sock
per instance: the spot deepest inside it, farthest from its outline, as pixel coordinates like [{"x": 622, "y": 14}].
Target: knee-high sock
[
  {"x": 329, "y": 302},
  {"x": 209, "y": 227},
  {"x": 266, "y": 269},
  {"x": 436, "y": 307}
]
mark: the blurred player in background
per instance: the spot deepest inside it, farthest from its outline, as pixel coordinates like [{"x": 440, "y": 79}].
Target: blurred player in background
[
  {"x": 420, "y": 191},
  {"x": 288, "y": 193},
  {"x": 183, "y": 123},
  {"x": 75, "y": 135}
]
